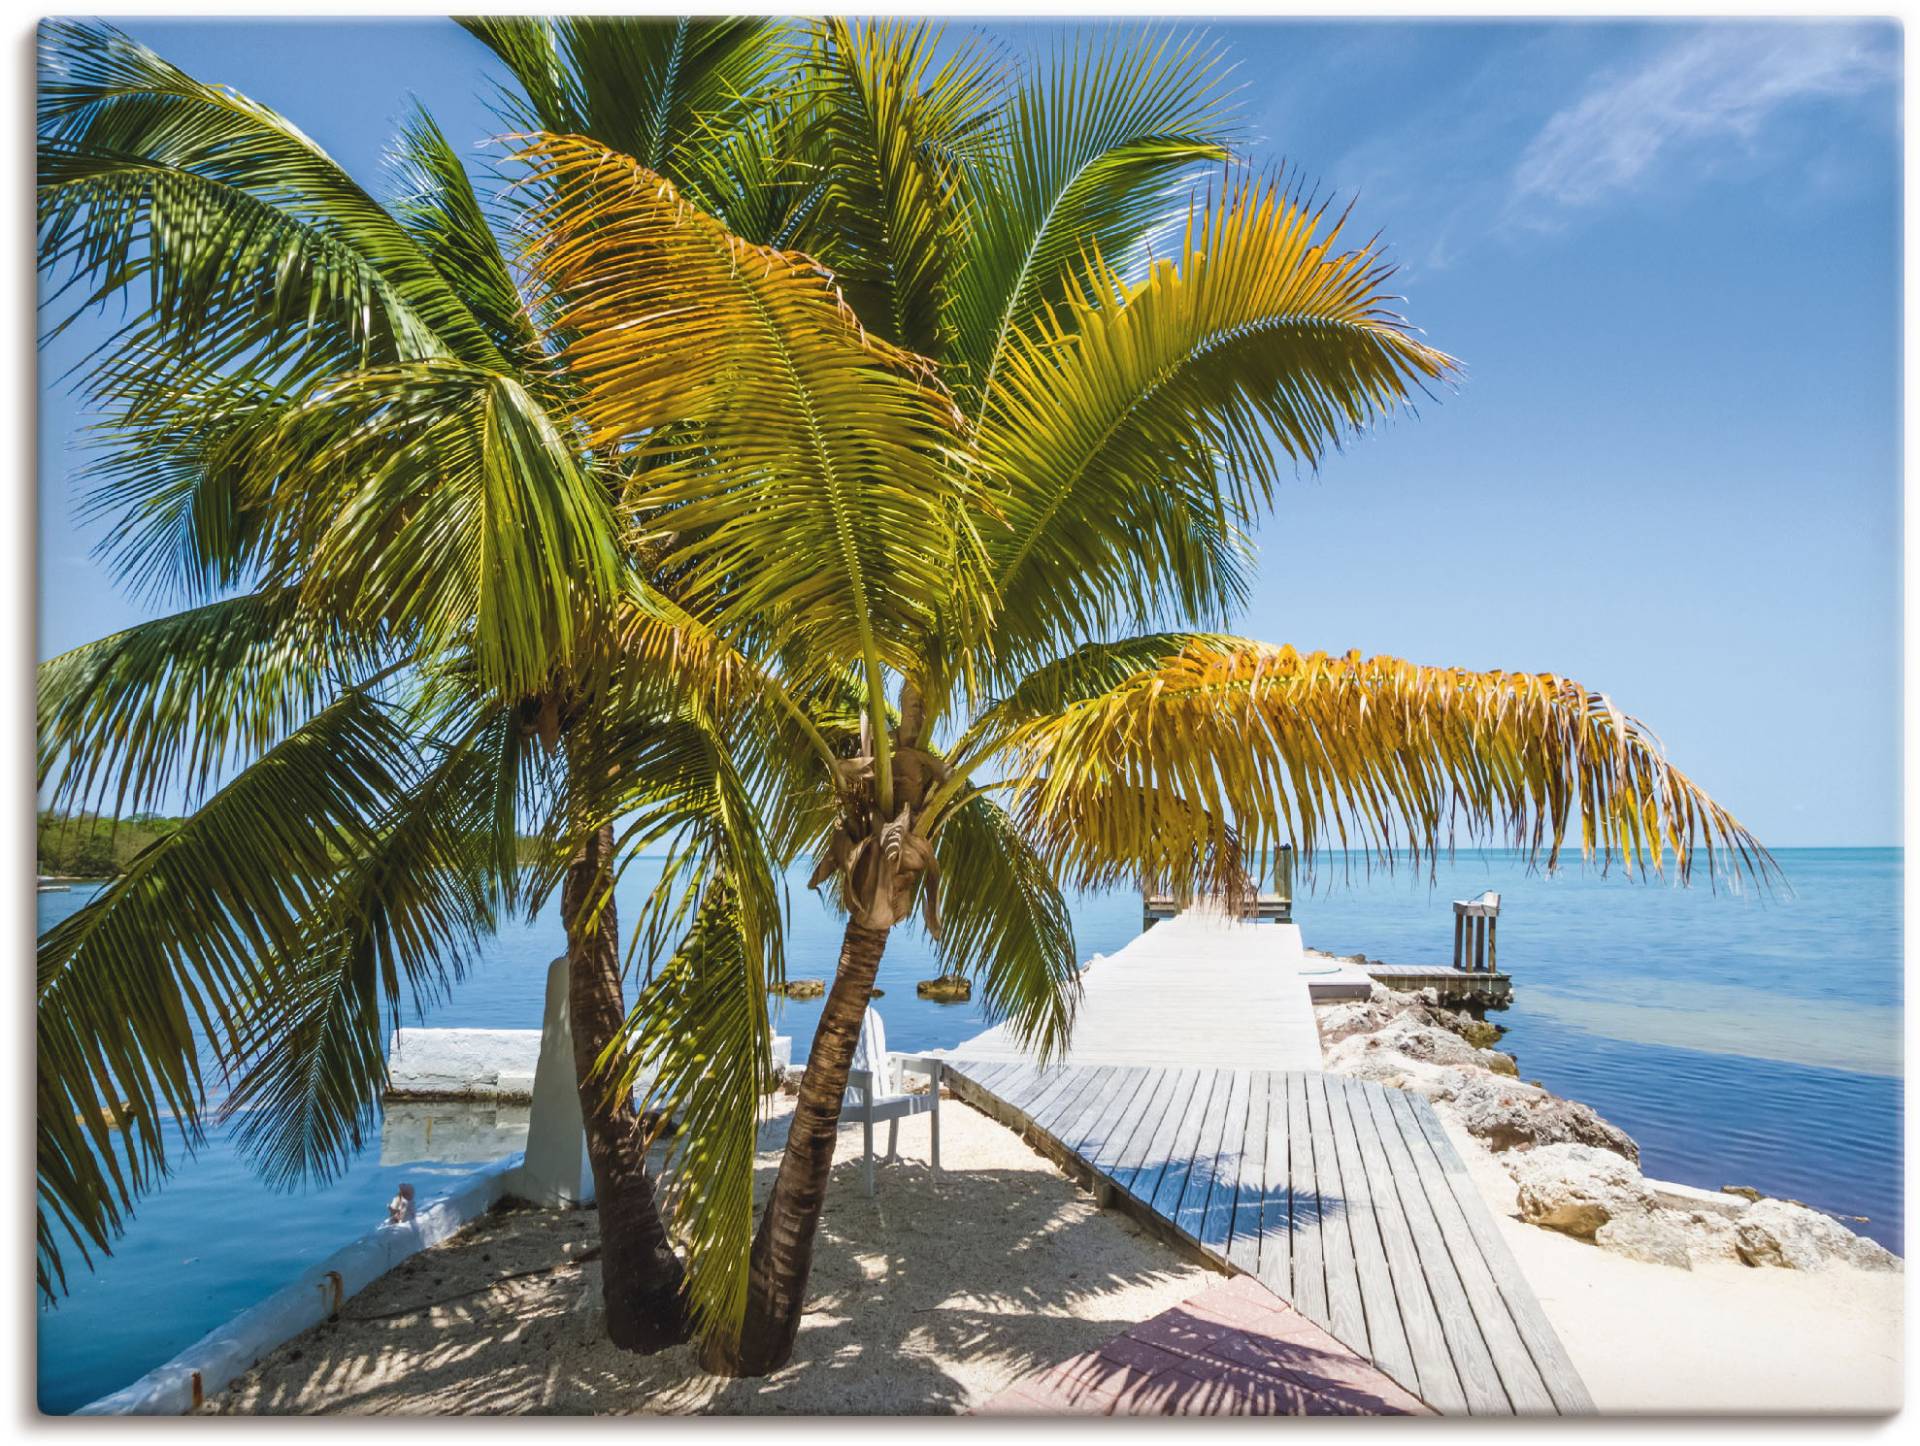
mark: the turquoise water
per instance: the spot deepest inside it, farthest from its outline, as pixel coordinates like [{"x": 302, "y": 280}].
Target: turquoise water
[{"x": 1741, "y": 1039}]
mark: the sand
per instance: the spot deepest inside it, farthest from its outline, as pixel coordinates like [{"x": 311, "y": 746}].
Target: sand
[
  {"x": 932, "y": 1297},
  {"x": 1715, "y": 1339},
  {"x": 929, "y": 1298}
]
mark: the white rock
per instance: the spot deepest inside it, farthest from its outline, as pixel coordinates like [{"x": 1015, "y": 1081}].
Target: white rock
[
  {"x": 1659, "y": 1237},
  {"x": 1576, "y": 1188},
  {"x": 1773, "y": 1232}
]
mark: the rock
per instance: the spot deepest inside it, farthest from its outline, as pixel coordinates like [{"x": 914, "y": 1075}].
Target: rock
[
  {"x": 1659, "y": 1237},
  {"x": 1364, "y": 1057},
  {"x": 1411, "y": 1036},
  {"x": 1509, "y": 1115},
  {"x": 1476, "y": 1032},
  {"x": 1776, "y": 1233},
  {"x": 947, "y": 989},
  {"x": 1745, "y": 1192},
  {"x": 876, "y": 994},
  {"x": 802, "y": 988},
  {"x": 1500, "y": 1063},
  {"x": 1577, "y": 1188},
  {"x": 1343, "y": 1021}
]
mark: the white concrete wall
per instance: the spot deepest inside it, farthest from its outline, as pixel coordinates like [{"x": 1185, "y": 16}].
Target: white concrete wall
[
  {"x": 462, "y": 1063},
  {"x": 207, "y": 1366}
]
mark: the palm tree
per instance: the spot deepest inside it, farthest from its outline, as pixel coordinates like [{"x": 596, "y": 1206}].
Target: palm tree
[
  {"x": 1017, "y": 601},
  {"x": 334, "y": 430}
]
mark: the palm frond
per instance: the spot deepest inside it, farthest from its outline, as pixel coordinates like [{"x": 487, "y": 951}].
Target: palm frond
[
  {"x": 1004, "y": 921},
  {"x": 658, "y": 89},
  {"x": 816, "y": 502},
  {"x": 171, "y": 954},
  {"x": 241, "y": 225},
  {"x": 1089, "y": 157},
  {"x": 1132, "y": 437},
  {"x": 887, "y": 124},
  {"x": 166, "y": 705},
  {"x": 1320, "y": 751},
  {"x": 406, "y": 917}
]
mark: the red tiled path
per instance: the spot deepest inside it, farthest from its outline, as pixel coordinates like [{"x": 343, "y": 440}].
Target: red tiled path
[{"x": 1235, "y": 1349}]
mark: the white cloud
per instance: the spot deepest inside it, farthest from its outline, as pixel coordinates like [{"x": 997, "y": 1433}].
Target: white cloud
[{"x": 1709, "y": 87}]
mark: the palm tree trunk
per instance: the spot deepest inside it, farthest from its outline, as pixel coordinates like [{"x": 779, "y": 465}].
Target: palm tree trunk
[
  {"x": 640, "y": 1275},
  {"x": 783, "y": 1245}
]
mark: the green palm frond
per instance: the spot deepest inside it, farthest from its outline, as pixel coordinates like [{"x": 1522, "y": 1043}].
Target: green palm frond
[
  {"x": 168, "y": 704},
  {"x": 174, "y": 948},
  {"x": 1133, "y": 436},
  {"x": 700, "y": 1031},
  {"x": 1321, "y": 751},
  {"x": 242, "y": 226},
  {"x": 440, "y": 209},
  {"x": 887, "y": 125},
  {"x": 1087, "y": 158},
  {"x": 1004, "y": 921},
  {"x": 658, "y": 89},
  {"x": 443, "y": 504},
  {"x": 406, "y": 917},
  {"x": 817, "y": 501}
]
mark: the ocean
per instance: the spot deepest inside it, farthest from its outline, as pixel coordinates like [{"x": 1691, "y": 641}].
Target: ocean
[{"x": 1742, "y": 1037}]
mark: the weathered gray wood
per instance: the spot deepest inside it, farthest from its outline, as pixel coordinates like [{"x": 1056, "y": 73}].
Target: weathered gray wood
[
  {"x": 1156, "y": 1147},
  {"x": 1216, "y": 1226},
  {"x": 1052, "y": 1111},
  {"x": 1569, "y": 1393},
  {"x": 1243, "y": 1244},
  {"x": 1103, "y": 1141},
  {"x": 1095, "y": 1104},
  {"x": 1478, "y": 1377},
  {"x": 1346, "y": 1315},
  {"x": 1185, "y": 1141},
  {"x": 1386, "y": 1330},
  {"x": 1276, "y": 1213},
  {"x": 1309, "y": 1250},
  {"x": 1525, "y": 1389},
  {"x": 1204, "y": 1177}
]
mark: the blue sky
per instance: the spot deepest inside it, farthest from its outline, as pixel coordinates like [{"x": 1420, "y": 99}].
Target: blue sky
[{"x": 1669, "y": 257}]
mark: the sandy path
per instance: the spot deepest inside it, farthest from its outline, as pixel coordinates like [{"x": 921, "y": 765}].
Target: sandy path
[{"x": 927, "y": 1299}]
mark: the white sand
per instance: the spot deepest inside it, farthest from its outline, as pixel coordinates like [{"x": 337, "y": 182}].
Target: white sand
[
  {"x": 929, "y": 1298},
  {"x": 1717, "y": 1338},
  {"x": 936, "y": 1294}
]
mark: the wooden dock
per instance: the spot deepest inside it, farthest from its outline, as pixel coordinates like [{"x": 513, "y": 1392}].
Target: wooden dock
[
  {"x": 1343, "y": 1197},
  {"x": 1454, "y": 986}
]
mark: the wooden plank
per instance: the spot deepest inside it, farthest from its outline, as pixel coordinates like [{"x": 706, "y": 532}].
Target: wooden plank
[
  {"x": 1526, "y": 1392},
  {"x": 1139, "y": 1169},
  {"x": 1185, "y": 1145},
  {"x": 1346, "y": 1315},
  {"x": 1243, "y": 1242},
  {"x": 1048, "y": 1086},
  {"x": 1216, "y": 1226},
  {"x": 1095, "y": 1102},
  {"x": 1309, "y": 1251},
  {"x": 1203, "y": 1176},
  {"x": 1436, "y": 1380},
  {"x": 1479, "y": 1380},
  {"x": 1276, "y": 1212},
  {"x": 1386, "y": 1330},
  {"x": 1051, "y": 1111},
  {"x": 1562, "y": 1379},
  {"x": 980, "y": 1073},
  {"x": 1105, "y": 1142},
  {"x": 1156, "y": 1156}
]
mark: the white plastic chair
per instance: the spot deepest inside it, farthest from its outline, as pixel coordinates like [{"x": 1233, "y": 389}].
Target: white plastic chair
[{"x": 876, "y": 1090}]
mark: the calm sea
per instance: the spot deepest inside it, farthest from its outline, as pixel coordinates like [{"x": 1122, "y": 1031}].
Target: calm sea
[{"x": 1742, "y": 1039}]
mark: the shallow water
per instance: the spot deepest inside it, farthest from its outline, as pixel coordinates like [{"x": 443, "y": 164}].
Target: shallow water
[{"x": 1740, "y": 1039}]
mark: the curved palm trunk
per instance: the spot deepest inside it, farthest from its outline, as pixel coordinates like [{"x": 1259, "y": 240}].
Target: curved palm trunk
[
  {"x": 640, "y": 1274},
  {"x": 783, "y": 1245}
]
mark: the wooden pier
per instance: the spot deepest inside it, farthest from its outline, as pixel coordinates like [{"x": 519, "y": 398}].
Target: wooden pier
[
  {"x": 1343, "y": 1197},
  {"x": 1454, "y": 986}
]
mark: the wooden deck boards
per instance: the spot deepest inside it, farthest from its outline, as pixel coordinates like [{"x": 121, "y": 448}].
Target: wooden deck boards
[{"x": 1343, "y": 1197}]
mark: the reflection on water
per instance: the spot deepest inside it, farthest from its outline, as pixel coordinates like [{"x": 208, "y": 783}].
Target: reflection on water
[{"x": 451, "y": 1132}]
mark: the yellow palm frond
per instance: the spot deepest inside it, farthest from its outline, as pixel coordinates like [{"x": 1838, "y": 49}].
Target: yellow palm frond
[
  {"x": 1273, "y": 746},
  {"x": 813, "y": 494}
]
